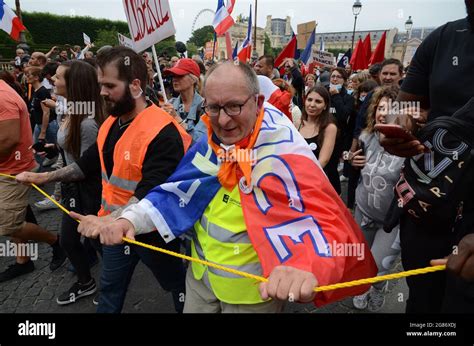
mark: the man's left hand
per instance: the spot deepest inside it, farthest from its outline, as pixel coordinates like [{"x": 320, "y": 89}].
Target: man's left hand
[{"x": 289, "y": 283}]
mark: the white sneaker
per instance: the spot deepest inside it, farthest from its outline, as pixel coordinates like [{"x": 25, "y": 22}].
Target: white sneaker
[
  {"x": 340, "y": 167},
  {"x": 360, "y": 302},
  {"x": 45, "y": 204},
  {"x": 376, "y": 298}
]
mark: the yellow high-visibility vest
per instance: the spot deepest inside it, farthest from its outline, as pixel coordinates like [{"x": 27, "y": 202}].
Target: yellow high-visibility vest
[{"x": 221, "y": 237}]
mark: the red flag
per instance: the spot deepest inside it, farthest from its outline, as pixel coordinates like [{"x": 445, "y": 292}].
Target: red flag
[
  {"x": 367, "y": 47},
  {"x": 379, "y": 52},
  {"x": 359, "y": 61},
  {"x": 288, "y": 52}
]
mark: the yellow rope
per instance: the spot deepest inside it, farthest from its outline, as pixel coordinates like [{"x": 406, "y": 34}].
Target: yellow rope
[{"x": 256, "y": 277}]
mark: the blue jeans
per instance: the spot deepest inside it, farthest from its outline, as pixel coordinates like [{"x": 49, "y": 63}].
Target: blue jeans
[
  {"x": 51, "y": 136},
  {"x": 119, "y": 262}
]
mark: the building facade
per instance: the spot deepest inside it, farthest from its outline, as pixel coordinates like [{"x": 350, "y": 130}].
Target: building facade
[
  {"x": 279, "y": 31},
  {"x": 395, "y": 44},
  {"x": 238, "y": 33}
]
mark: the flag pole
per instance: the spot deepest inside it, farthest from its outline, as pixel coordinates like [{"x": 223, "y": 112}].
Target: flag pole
[
  {"x": 162, "y": 86},
  {"x": 214, "y": 46},
  {"x": 254, "y": 53}
]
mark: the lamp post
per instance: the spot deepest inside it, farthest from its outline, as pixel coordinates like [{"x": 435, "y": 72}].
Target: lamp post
[
  {"x": 23, "y": 45},
  {"x": 254, "y": 51},
  {"x": 408, "y": 27},
  {"x": 356, "y": 8}
]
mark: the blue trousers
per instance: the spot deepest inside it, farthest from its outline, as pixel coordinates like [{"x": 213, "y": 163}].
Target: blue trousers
[{"x": 119, "y": 262}]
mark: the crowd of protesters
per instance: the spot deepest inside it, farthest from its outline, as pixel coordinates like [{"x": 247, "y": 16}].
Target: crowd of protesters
[{"x": 334, "y": 109}]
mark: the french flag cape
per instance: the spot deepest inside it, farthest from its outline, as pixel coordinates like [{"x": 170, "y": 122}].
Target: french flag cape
[{"x": 293, "y": 215}]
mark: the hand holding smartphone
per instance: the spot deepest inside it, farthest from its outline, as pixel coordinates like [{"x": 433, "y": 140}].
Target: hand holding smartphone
[
  {"x": 395, "y": 131},
  {"x": 42, "y": 148}
]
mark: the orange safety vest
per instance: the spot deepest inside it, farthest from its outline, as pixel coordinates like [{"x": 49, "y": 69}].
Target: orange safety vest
[{"x": 129, "y": 154}]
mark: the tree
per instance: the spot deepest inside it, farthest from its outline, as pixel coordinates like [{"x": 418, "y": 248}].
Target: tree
[
  {"x": 106, "y": 37},
  {"x": 202, "y": 35},
  {"x": 267, "y": 46},
  {"x": 277, "y": 51},
  {"x": 192, "y": 49},
  {"x": 336, "y": 51},
  {"x": 166, "y": 47}
]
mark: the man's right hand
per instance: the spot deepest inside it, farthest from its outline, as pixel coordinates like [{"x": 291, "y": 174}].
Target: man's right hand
[
  {"x": 112, "y": 233},
  {"x": 32, "y": 178},
  {"x": 401, "y": 147}
]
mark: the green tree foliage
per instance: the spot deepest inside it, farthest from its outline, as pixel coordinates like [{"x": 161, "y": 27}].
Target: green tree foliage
[
  {"x": 192, "y": 49},
  {"x": 106, "y": 37},
  {"x": 277, "y": 51},
  {"x": 46, "y": 30},
  {"x": 166, "y": 47},
  {"x": 336, "y": 51},
  {"x": 202, "y": 35},
  {"x": 52, "y": 29},
  {"x": 267, "y": 46}
]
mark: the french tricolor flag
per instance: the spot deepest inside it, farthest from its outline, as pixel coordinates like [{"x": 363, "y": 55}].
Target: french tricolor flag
[
  {"x": 246, "y": 47},
  {"x": 10, "y": 22},
  {"x": 223, "y": 19}
]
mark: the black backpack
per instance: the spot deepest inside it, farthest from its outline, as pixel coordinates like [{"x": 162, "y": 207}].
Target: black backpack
[{"x": 434, "y": 185}]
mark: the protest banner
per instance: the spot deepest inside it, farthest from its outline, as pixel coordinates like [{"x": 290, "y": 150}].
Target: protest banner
[
  {"x": 149, "y": 22},
  {"x": 125, "y": 41}
]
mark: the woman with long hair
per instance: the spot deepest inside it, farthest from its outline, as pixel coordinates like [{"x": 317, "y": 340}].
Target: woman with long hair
[
  {"x": 319, "y": 129},
  {"x": 77, "y": 82},
  {"x": 380, "y": 172}
]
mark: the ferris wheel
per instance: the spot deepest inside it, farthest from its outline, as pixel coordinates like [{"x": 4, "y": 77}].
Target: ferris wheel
[{"x": 206, "y": 10}]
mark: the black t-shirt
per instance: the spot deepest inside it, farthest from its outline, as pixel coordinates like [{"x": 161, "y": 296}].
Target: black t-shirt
[
  {"x": 163, "y": 155},
  {"x": 443, "y": 68},
  {"x": 35, "y": 109}
]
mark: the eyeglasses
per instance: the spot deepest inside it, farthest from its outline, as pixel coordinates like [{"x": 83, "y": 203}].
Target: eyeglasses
[{"x": 231, "y": 109}]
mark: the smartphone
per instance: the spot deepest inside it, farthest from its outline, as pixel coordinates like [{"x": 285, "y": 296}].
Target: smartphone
[
  {"x": 394, "y": 131},
  {"x": 39, "y": 146},
  {"x": 50, "y": 152},
  {"x": 362, "y": 147}
]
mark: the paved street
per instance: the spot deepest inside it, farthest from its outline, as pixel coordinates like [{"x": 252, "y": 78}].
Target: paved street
[{"x": 37, "y": 291}]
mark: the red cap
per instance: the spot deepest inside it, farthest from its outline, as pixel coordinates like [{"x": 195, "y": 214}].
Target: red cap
[{"x": 183, "y": 67}]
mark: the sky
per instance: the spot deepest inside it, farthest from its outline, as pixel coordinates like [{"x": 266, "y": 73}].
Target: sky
[{"x": 331, "y": 15}]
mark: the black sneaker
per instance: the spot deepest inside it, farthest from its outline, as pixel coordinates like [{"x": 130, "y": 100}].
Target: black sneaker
[
  {"x": 59, "y": 256},
  {"x": 16, "y": 270},
  {"x": 76, "y": 292}
]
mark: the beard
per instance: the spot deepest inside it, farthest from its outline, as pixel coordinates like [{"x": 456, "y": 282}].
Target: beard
[
  {"x": 123, "y": 106},
  {"x": 470, "y": 12}
]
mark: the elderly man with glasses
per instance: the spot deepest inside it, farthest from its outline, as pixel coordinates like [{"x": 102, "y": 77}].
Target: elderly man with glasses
[{"x": 257, "y": 201}]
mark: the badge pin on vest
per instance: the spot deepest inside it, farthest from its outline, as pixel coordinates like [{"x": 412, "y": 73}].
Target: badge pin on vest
[
  {"x": 244, "y": 187},
  {"x": 313, "y": 146}
]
